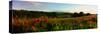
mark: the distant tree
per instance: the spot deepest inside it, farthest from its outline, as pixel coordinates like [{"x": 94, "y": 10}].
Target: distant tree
[
  {"x": 75, "y": 14},
  {"x": 81, "y": 13},
  {"x": 88, "y": 14},
  {"x": 53, "y": 14}
]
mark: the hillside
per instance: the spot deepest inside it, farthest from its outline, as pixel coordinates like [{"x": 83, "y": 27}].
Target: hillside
[{"x": 35, "y": 21}]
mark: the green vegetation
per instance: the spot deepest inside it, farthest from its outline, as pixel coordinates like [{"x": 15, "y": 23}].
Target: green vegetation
[{"x": 39, "y": 21}]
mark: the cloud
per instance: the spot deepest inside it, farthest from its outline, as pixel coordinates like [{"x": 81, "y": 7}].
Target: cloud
[
  {"x": 27, "y": 5},
  {"x": 85, "y": 9},
  {"x": 36, "y": 5}
]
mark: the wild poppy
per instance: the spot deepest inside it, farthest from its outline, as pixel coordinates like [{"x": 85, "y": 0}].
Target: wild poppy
[
  {"x": 46, "y": 20},
  {"x": 36, "y": 20}
]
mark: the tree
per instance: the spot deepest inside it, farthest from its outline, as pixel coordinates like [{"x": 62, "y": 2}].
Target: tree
[
  {"x": 75, "y": 14},
  {"x": 88, "y": 14},
  {"x": 81, "y": 13}
]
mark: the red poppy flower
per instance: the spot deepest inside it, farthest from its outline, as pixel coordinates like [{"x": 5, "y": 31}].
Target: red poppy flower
[
  {"x": 36, "y": 20},
  {"x": 46, "y": 20}
]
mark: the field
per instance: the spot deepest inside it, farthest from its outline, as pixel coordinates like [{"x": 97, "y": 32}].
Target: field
[{"x": 32, "y": 22}]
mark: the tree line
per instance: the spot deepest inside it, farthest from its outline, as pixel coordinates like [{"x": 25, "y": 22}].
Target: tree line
[{"x": 22, "y": 13}]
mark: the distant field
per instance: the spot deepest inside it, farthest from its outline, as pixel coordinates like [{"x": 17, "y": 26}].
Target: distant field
[{"x": 88, "y": 18}]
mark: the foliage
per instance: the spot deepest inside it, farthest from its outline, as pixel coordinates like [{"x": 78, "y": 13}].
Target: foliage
[{"x": 39, "y": 21}]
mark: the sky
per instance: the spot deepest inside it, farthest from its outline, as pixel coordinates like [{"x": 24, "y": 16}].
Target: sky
[{"x": 51, "y": 7}]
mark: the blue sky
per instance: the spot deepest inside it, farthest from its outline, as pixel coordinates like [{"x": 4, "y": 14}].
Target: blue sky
[{"x": 45, "y": 6}]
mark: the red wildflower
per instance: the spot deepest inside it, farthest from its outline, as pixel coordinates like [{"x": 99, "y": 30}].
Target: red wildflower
[
  {"x": 36, "y": 20},
  {"x": 43, "y": 18},
  {"x": 46, "y": 20}
]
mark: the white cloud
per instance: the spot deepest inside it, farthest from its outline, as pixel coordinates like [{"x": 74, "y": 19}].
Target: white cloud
[{"x": 85, "y": 9}]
